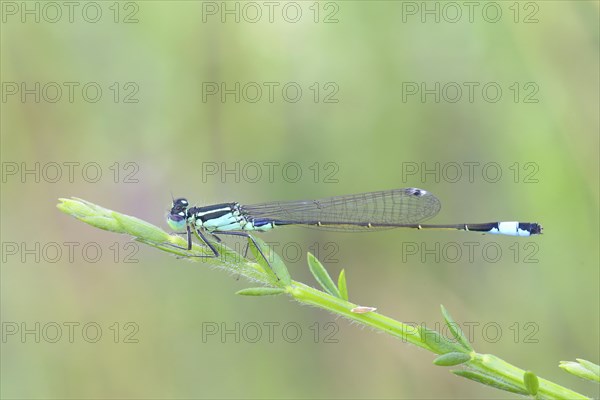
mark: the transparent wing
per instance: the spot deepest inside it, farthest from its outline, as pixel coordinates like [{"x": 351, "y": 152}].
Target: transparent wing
[{"x": 391, "y": 207}]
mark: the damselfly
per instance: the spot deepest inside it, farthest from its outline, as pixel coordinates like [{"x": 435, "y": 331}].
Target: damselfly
[{"x": 398, "y": 208}]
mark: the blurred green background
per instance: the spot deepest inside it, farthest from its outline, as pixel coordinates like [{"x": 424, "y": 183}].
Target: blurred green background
[{"x": 156, "y": 130}]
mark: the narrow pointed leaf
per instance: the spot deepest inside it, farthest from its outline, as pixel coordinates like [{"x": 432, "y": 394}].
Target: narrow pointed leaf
[
  {"x": 438, "y": 343},
  {"x": 594, "y": 368},
  {"x": 322, "y": 276},
  {"x": 342, "y": 285},
  {"x": 455, "y": 329},
  {"x": 112, "y": 221},
  {"x": 532, "y": 384},
  {"x": 75, "y": 208},
  {"x": 450, "y": 359},
  {"x": 260, "y": 291},
  {"x": 275, "y": 266},
  {"x": 139, "y": 228},
  {"x": 490, "y": 381},
  {"x": 587, "y": 371},
  {"x": 96, "y": 216},
  {"x": 104, "y": 223}
]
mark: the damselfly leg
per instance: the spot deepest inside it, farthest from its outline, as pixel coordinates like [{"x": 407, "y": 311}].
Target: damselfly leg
[{"x": 203, "y": 239}]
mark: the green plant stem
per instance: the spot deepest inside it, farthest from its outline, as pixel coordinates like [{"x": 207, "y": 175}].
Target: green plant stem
[
  {"x": 308, "y": 295},
  {"x": 484, "y": 368},
  {"x": 492, "y": 365},
  {"x": 485, "y": 363}
]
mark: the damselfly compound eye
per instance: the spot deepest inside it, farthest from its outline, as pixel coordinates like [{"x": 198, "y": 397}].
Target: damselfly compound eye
[{"x": 181, "y": 202}]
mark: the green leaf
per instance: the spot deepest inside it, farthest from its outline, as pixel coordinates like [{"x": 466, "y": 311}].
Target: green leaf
[
  {"x": 455, "y": 329},
  {"x": 112, "y": 221},
  {"x": 342, "y": 285},
  {"x": 594, "y": 368},
  {"x": 139, "y": 228},
  {"x": 90, "y": 214},
  {"x": 583, "y": 369},
  {"x": 490, "y": 381},
  {"x": 438, "y": 343},
  {"x": 260, "y": 291},
  {"x": 532, "y": 384},
  {"x": 104, "y": 223},
  {"x": 76, "y": 208},
  {"x": 321, "y": 275},
  {"x": 450, "y": 359},
  {"x": 275, "y": 264}
]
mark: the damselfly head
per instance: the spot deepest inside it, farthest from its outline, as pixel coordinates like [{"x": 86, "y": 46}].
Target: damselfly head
[
  {"x": 180, "y": 204},
  {"x": 177, "y": 217}
]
